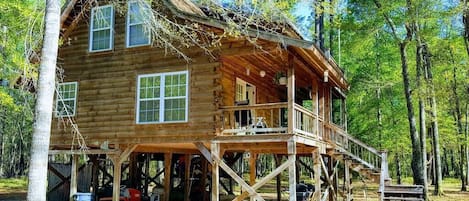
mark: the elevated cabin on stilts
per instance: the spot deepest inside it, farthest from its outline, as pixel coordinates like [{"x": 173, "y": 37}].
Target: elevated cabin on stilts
[{"x": 182, "y": 130}]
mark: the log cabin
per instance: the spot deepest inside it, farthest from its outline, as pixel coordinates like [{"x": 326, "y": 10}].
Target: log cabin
[{"x": 128, "y": 102}]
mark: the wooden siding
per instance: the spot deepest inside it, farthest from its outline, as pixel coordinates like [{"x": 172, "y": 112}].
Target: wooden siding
[{"x": 107, "y": 90}]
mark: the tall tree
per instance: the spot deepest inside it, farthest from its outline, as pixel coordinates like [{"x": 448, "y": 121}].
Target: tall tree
[
  {"x": 417, "y": 162},
  {"x": 43, "y": 109}
]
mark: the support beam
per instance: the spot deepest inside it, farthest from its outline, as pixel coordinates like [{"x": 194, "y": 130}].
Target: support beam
[
  {"x": 203, "y": 181},
  {"x": 252, "y": 170},
  {"x": 73, "y": 176},
  {"x": 116, "y": 181},
  {"x": 204, "y": 151},
  {"x": 347, "y": 184},
  {"x": 291, "y": 146},
  {"x": 235, "y": 176},
  {"x": 168, "y": 158},
  {"x": 187, "y": 176},
  {"x": 317, "y": 175},
  {"x": 215, "y": 171},
  {"x": 278, "y": 160},
  {"x": 267, "y": 178}
]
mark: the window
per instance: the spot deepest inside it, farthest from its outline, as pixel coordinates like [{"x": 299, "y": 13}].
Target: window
[
  {"x": 241, "y": 94},
  {"x": 137, "y": 35},
  {"x": 66, "y": 99},
  {"x": 102, "y": 24},
  {"x": 162, "y": 97}
]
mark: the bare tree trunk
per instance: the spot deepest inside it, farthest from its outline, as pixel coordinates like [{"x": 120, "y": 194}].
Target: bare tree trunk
[
  {"x": 417, "y": 162},
  {"x": 458, "y": 118},
  {"x": 319, "y": 23},
  {"x": 398, "y": 169},
  {"x": 465, "y": 20},
  {"x": 434, "y": 118},
  {"x": 422, "y": 113},
  {"x": 445, "y": 170},
  {"x": 45, "y": 96}
]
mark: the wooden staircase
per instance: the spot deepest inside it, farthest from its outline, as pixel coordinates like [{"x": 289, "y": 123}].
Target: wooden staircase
[{"x": 373, "y": 165}]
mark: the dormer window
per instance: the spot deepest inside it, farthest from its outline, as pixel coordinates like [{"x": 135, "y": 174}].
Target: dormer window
[
  {"x": 137, "y": 35},
  {"x": 102, "y": 25}
]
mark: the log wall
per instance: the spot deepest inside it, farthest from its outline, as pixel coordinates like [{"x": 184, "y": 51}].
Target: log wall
[{"x": 107, "y": 90}]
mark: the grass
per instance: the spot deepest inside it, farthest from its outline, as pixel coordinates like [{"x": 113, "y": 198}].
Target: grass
[
  {"x": 13, "y": 185},
  {"x": 14, "y": 188}
]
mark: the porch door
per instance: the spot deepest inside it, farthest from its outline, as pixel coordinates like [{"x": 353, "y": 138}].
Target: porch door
[{"x": 245, "y": 92}]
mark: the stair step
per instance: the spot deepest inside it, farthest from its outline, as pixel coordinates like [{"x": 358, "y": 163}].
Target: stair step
[{"x": 403, "y": 198}]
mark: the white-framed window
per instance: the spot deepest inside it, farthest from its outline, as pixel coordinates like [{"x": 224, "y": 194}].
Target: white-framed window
[
  {"x": 162, "y": 97},
  {"x": 241, "y": 88},
  {"x": 137, "y": 34},
  {"x": 101, "y": 29},
  {"x": 66, "y": 99}
]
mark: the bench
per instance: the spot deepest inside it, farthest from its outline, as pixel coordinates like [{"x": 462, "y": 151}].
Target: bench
[{"x": 403, "y": 192}]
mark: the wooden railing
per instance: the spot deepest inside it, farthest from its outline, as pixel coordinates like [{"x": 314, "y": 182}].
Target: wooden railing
[
  {"x": 367, "y": 155},
  {"x": 306, "y": 122},
  {"x": 254, "y": 119}
]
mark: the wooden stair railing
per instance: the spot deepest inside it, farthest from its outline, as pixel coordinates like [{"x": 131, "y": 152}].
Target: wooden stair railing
[{"x": 366, "y": 160}]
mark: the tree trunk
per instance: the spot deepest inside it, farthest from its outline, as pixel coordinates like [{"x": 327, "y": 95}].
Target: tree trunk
[
  {"x": 43, "y": 110},
  {"x": 398, "y": 169},
  {"x": 445, "y": 170},
  {"x": 458, "y": 118},
  {"x": 417, "y": 161},
  {"x": 422, "y": 113},
  {"x": 434, "y": 118},
  {"x": 319, "y": 23},
  {"x": 465, "y": 20}
]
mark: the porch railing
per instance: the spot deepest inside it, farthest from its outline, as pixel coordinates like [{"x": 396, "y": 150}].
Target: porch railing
[
  {"x": 254, "y": 119},
  {"x": 272, "y": 118},
  {"x": 306, "y": 122}
]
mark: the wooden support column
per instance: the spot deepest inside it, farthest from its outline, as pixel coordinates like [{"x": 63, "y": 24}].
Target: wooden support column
[
  {"x": 187, "y": 176},
  {"x": 116, "y": 178},
  {"x": 203, "y": 181},
  {"x": 215, "y": 171},
  {"x": 74, "y": 176},
  {"x": 291, "y": 146},
  {"x": 317, "y": 175},
  {"x": 252, "y": 170},
  {"x": 347, "y": 184},
  {"x": 167, "y": 175},
  {"x": 94, "y": 172},
  {"x": 278, "y": 161},
  {"x": 291, "y": 93}
]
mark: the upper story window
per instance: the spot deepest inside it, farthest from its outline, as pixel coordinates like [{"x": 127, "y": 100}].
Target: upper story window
[
  {"x": 102, "y": 25},
  {"x": 162, "y": 97},
  {"x": 137, "y": 35},
  {"x": 66, "y": 99}
]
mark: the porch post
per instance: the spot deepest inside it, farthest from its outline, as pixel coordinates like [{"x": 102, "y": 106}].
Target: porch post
[
  {"x": 116, "y": 182},
  {"x": 215, "y": 147},
  {"x": 252, "y": 170},
  {"x": 73, "y": 176},
  {"x": 348, "y": 187},
  {"x": 167, "y": 175},
  {"x": 317, "y": 174},
  {"x": 291, "y": 93},
  {"x": 187, "y": 176},
  {"x": 291, "y": 146}
]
